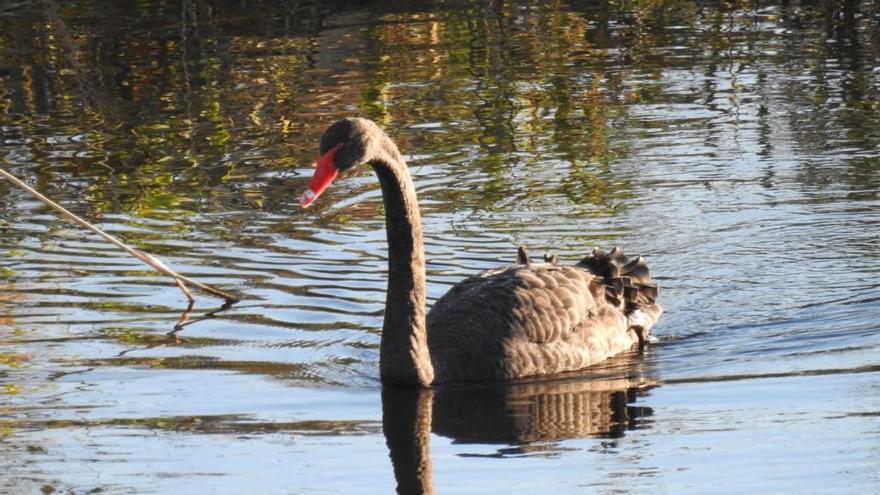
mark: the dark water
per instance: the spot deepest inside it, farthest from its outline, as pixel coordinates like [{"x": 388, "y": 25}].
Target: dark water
[{"x": 735, "y": 144}]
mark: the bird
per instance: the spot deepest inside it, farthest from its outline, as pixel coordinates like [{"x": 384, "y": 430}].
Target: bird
[{"x": 515, "y": 321}]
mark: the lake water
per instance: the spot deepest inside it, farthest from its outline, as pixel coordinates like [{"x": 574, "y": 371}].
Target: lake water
[{"x": 734, "y": 144}]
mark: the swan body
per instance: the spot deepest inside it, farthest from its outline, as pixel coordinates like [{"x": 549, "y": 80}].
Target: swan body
[
  {"x": 515, "y": 321},
  {"x": 536, "y": 319}
]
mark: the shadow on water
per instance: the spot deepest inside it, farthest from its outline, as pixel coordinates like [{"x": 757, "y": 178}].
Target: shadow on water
[{"x": 525, "y": 418}]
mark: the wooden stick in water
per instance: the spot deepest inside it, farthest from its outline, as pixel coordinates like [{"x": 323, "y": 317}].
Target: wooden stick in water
[{"x": 147, "y": 258}]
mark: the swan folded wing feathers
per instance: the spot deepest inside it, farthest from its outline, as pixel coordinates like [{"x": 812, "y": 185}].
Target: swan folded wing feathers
[
  {"x": 626, "y": 281},
  {"x": 535, "y": 304}
]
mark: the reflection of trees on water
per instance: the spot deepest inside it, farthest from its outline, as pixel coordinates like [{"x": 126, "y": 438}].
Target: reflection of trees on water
[
  {"x": 162, "y": 97},
  {"x": 165, "y": 105},
  {"x": 835, "y": 74}
]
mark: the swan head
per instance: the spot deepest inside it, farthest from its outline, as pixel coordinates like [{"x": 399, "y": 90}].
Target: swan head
[{"x": 344, "y": 145}]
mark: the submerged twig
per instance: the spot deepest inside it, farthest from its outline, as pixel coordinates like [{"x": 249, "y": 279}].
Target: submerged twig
[{"x": 147, "y": 258}]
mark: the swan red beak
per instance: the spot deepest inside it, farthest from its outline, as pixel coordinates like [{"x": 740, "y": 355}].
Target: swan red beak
[{"x": 325, "y": 172}]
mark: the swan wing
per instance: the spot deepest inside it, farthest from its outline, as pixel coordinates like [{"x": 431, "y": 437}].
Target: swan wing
[{"x": 524, "y": 320}]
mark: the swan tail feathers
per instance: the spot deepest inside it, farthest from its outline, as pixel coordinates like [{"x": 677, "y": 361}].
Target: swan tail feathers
[{"x": 627, "y": 281}]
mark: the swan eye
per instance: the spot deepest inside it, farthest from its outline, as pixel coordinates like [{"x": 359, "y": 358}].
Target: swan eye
[{"x": 350, "y": 154}]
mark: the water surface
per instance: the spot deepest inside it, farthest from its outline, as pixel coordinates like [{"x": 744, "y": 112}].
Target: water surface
[{"x": 735, "y": 145}]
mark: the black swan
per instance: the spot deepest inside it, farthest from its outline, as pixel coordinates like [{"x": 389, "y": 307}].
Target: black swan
[{"x": 509, "y": 322}]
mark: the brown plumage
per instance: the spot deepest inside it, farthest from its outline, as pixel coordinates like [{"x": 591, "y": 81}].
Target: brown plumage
[{"x": 514, "y": 321}]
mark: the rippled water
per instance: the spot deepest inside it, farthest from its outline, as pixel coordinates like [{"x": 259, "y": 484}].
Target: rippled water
[{"x": 735, "y": 145}]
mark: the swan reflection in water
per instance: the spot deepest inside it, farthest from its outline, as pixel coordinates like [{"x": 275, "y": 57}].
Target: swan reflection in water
[{"x": 527, "y": 416}]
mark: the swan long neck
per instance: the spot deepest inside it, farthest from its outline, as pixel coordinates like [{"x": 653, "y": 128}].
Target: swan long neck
[{"x": 404, "y": 355}]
